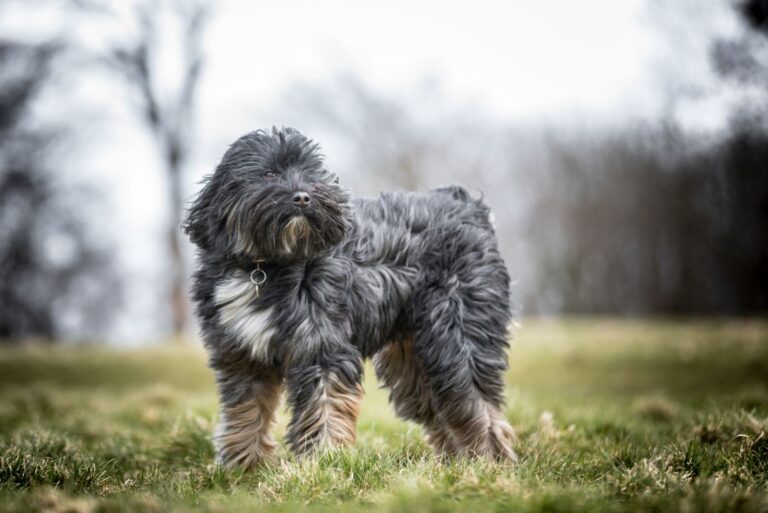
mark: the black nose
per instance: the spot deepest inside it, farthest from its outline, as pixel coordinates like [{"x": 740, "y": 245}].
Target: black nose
[{"x": 301, "y": 199}]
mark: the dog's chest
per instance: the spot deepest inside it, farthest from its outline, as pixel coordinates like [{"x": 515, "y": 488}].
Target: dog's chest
[
  {"x": 252, "y": 329},
  {"x": 333, "y": 299}
]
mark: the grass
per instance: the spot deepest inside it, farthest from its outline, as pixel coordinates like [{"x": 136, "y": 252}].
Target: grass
[{"x": 611, "y": 416}]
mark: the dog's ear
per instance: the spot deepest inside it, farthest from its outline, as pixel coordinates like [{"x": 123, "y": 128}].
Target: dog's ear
[{"x": 200, "y": 223}]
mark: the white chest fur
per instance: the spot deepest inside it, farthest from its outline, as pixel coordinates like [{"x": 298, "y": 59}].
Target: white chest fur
[{"x": 253, "y": 329}]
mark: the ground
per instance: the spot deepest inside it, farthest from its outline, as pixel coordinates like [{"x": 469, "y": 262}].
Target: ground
[{"x": 662, "y": 415}]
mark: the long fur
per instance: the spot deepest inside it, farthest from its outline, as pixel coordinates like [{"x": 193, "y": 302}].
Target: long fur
[{"x": 412, "y": 279}]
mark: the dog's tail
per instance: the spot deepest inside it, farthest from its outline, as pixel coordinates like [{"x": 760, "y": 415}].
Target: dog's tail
[
  {"x": 483, "y": 212},
  {"x": 456, "y": 192}
]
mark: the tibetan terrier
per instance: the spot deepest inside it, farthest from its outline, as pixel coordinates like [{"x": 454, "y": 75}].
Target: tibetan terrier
[{"x": 297, "y": 283}]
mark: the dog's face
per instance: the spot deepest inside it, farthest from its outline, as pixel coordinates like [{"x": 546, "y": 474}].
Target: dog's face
[{"x": 270, "y": 199}]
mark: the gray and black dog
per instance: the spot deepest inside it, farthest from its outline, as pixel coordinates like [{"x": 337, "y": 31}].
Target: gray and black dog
[{"x": 297, "y": 283}]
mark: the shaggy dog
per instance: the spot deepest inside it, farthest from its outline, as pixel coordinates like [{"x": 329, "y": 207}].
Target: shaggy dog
[{"x": 297, "y": 283}]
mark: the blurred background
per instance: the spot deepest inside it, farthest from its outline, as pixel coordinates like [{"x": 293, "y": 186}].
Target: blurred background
[{"x": 623, "y": 146}]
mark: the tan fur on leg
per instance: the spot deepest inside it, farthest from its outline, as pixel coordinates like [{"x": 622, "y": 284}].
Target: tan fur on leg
[
  {"x": 403, "y": 373},
  {"x": 330, "y": 419},
  {"x": 501, "y": 435},
  {"x": 243, "y": 438},
  {"x": 485, "y": 434},
  {"x": 441, "y": 440}
]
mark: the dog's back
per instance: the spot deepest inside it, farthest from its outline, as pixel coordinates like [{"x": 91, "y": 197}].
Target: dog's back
[{"x": 401, "y": 227}]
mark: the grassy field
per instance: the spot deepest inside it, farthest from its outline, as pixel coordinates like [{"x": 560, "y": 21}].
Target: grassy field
[{"x": 611, "y": 416}]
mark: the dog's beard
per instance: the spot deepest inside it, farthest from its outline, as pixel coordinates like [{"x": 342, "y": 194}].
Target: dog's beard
[
  {"x": 295, "y": 237},
  {"x": 264, "y": 227}
]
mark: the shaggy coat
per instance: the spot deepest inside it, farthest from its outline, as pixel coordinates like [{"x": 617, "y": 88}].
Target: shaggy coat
[{"x": 297, "y": 283}]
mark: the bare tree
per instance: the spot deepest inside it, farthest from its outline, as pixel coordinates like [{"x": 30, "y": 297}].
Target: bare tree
[
  {"x": 52, "y": 270},
  {"x": 169, "y": 118},
  {"x": 742, "y": 59}
]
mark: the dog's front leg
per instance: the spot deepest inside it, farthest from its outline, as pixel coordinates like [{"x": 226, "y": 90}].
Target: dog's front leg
[
  {"x": 248, "y": 405},
  {"x": 324, "y": 393}
]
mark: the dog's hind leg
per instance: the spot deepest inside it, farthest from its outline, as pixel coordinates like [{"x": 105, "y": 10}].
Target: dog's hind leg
[
  {"x": 400, "y": 370},
  {"x": 461, "y": 339},
  {"x": 324, "y": 394},
  {"x": 243, "y": 437},
  {"x": 467, "y": 397}
]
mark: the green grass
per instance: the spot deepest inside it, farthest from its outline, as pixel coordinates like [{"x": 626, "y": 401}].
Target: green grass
[{"x": 611, "y": 416}]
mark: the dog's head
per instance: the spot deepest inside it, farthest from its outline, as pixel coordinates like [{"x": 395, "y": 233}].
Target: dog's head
[{"x": 270, "y": 199}]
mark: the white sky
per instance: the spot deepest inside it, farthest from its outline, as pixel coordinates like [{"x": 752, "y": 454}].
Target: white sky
[
  {"x": 516, "y": 58},
  {"x": 558, "y": 62}
]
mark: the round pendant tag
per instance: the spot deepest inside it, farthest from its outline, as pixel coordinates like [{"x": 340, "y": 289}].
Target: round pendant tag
[{"x": 258, "y": 277}]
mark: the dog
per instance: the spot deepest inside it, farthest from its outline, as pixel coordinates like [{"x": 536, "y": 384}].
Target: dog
[{"x": 297, "y": 283}]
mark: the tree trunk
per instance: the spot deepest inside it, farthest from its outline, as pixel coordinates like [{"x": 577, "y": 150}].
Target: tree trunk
[{"x": 178, "y": 293}]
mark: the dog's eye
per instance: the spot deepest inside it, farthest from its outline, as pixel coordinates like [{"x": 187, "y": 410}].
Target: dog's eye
[{"x": 270, "y": 175}]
